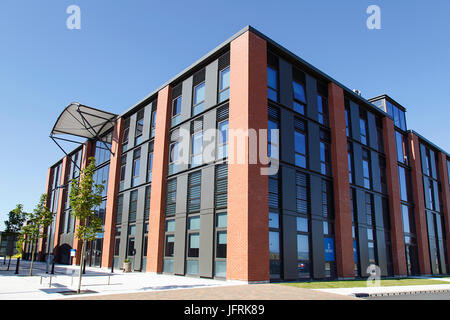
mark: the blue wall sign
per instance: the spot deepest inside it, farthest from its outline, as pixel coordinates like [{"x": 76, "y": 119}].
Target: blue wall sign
[{"x": 329, "y": 249}]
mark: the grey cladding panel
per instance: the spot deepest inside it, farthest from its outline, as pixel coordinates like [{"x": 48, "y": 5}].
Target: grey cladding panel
[
  {"x": 287, "y": 136},
  {"x": 311, "y": 98},
  {"x": 286, "y": 91},
  {"x": 211, "y": 80},
  {"x": 186, "y": 100},
  {"x": 313, "y": 147},
  {"x": 206, "y": 245}
]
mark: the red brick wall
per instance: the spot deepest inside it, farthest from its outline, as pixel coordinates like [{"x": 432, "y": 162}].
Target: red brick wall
[
  {"x": 419, "y": 205},
  {"x": 87, "y": 152},
  {"x": 443, "y": 177},
  {"x": 341, "y": 184},
  {"x": 111, "y": 201},
  {"x": 247, "y": 230},
  {"x": 60, "y": 209},
  {"x": 159, "y": 174},
  {"x": 393, "y": 185}
]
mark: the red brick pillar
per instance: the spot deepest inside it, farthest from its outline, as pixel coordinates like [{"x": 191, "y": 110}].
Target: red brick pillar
[
  {"x": 341, "y": 183},
  {"x": 111, "y": 201},
  {"x": 395, "y": 209},
  {"x": 159, "y": 181},
  {"x": 419, "y": 205},
  {"x": 247, "y": 230},
  {"x": 87, "y": 152},
  {"x": 40, "y": 245},
  {"x": 443, "y": 177},
  {"x": 60, "y": 204}
]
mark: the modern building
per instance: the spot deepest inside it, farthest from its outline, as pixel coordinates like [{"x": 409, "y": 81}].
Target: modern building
[
  {"x": 354, "y": 186},
  {"x": 8, "y": 244}
]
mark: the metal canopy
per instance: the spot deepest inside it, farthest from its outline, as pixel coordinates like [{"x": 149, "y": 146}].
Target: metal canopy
[{"x": 82, "y": 121}]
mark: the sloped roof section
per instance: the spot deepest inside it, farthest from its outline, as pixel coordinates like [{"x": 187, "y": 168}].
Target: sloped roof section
[{"x": 83, "y": 121}]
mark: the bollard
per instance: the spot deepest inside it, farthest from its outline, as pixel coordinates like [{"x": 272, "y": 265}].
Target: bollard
[
  {"x": 17, "y": 266},
  {"x": 53, "y": 267},
  {"x": 109, "y": 280},
  {"x": 112, "y": 267},
  {"x": 50, "y": 283},
  {"x": 40, "y": 281},
  {"x": 84, "y": 266},
  {"x": 9, "y": 263}
]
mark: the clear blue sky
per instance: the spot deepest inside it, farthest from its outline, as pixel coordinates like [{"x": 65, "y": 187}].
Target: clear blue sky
[{"x": 126, "y": 49}]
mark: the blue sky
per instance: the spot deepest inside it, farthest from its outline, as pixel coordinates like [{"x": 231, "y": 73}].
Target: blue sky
[{"x": 126, "y": 49}]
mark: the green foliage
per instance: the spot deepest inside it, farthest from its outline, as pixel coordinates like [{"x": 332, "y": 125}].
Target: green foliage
[
  {"x": 37, "y": 222},
  {"x": 84, "y": 197},
  {"x": 16, "y": 219},
  {"x": 127, "y": 260}
]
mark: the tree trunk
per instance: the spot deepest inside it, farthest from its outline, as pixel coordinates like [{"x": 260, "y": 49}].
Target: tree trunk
[
  {"x": 81, "y": 265},
  {"x": 33, "y": 248}
]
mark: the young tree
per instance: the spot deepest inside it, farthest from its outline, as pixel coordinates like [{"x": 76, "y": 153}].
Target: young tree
[
  {"x": 16, "y": 219},
  {"x": 84, "y": 197},
  {"x": 37, "y": 222}
]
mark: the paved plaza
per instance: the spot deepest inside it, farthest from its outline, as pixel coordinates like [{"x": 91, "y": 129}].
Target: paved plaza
[{"x": 101, "y": 284}]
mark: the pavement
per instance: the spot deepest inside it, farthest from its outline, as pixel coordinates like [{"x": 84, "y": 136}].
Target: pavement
[
  {"x": 101, "y": 284},
  {"x": 234, "y": 292},
  {"x": 96, "y": 281},
  {"x": 397, "y": 290}
]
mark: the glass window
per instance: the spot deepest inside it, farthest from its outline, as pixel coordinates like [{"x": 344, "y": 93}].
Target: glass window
[
  {"x": 153, "y": 124},
  {"x": 173, "y": 158},
  {"x": 123, "y": 165},
  {"x": 170, "y": 241},
  {"x": 224, "y": 84},
  {"x": 366, "y": 169},
  {"x": 176, "y": 110},
  {"x": 221, "y": 244},
  {"x": 194, "y": 223},
  {"x": 406, "y": 219},
  {"x": 300, "y": 149},
  {"x": 221, "y": 221},
  {"x": 274, "y": 245},
  {"x": 302, "y": 247},
  {"x": 273, "y": 220},
  {"x": 197, "y": 144},
  {"x": 273, "y": 151},
  {"x": 139, "y": 127},
  {"x": 136, "y": 167},
  {"x": 403, "y": 184},
  {"x": 363, "y": 127},
  {"x": 350, "y": 162},
  {"x": 400, "y": 142},
  {"x": 272, "y": 84},
  {"x": 170, "y": 226},
  {"x": 347, "y": 122},
  {"x": 126, "y": 131},
  {"x": 222, "y": 150},
  {"x": 322, "y": 106},
  {"x": 199, "y": 98},
  {"x": 194, "y": 245},
  {"x": 325, "y": 156},
  {"x": 299, "y": 97},
  {"x": 302, "y": 224}
]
